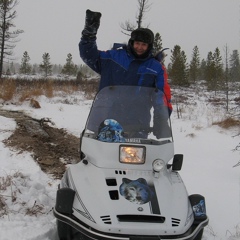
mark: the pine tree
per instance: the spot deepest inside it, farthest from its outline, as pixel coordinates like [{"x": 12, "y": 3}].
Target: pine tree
[
  {"x": 69, "y": 68},
  {"x": 218, "y": 69},
  {"x": 202, "y": 69},
  {"x": 178, "y": 71},
  {"x": 12, "y": 68},
  {"x": 214, "y": 71},
  {"x": 8, "y": 38},
  {"x": 25, "y": 67},
  {"x": 157, "y": 44},
  {"x": 34, "y": 69},
  {"x": 56, "y": 69},
  {"x": 210, "y": 71},
  {"x": 226, "y": 77},
  {"x": 194, "y": 68},
  {"x": 8, "y": 72},
  {"x": 234, "y": 67},
  {"x": 46, "y": 66}
]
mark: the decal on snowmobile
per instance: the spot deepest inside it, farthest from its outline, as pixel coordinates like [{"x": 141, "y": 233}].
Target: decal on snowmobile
[
  {"x": 136, "y": 191},
  {"x": 154, "y": 203},
  {"x": 199, "y": 209},
  {"x": 133, "y": 140},
  {"x": 110, "y": 131},
  {"x": 84, "y": 210},
  {"x": 140, "y": 192}
]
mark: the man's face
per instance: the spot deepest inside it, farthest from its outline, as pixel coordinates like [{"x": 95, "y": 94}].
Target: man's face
[{"x": 140, "y": 47}]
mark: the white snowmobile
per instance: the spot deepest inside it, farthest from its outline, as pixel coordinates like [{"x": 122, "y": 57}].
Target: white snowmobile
[{"x": 127, "y": 185}]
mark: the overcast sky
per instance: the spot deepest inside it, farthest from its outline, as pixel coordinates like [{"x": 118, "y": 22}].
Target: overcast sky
[{"x": 54, "y": 26}]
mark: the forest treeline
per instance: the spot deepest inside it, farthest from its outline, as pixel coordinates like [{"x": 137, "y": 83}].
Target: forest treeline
[{"x": 220, "y": 70}]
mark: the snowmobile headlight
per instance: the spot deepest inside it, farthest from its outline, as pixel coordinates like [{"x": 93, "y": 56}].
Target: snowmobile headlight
[
  {"x": 132, "y": 155},
  {"x": 158, "y": 165}
]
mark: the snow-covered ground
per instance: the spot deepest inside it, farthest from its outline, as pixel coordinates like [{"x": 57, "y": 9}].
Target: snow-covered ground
[{"x": 207, "y": 168}]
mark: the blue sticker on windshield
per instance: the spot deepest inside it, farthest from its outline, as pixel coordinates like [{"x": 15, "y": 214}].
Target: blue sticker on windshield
[{"x": 110, "y": 131}]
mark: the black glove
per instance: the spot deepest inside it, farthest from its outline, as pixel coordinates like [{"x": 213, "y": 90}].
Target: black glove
[{"x": 92, "y": 23}]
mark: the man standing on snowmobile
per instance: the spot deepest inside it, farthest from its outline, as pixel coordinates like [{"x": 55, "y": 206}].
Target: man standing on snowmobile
[{"x": 133, "y": 65}]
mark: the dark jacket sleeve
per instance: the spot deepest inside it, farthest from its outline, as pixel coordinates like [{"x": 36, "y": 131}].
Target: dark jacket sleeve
[{"x": 90, "y": 54}]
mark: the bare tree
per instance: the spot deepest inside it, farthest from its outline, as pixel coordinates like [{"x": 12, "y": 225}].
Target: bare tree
[
  {"x": 143, "y": 7},
  {"x": 226, "y": 77},
  {"x": 8, "y": 38}
]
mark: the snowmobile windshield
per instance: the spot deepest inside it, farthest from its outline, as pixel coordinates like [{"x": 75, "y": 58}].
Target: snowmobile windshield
[{"x": 129, "y": 114}]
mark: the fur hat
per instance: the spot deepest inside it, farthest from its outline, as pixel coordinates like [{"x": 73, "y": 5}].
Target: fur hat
[{"x": 142, "y": 35}]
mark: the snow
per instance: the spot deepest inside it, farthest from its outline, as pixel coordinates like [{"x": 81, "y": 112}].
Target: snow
[{"x": 207, "y": 168}]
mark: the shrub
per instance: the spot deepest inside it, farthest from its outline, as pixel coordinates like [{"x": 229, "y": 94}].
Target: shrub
[{"x": 228, "y": 123}]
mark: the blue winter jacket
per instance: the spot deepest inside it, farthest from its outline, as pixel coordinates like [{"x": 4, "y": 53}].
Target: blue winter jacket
[{"x": 120, "y": 67}]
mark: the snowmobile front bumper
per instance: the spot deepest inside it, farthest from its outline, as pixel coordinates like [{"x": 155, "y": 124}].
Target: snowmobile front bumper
[{"x": 88, "y": 233}]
